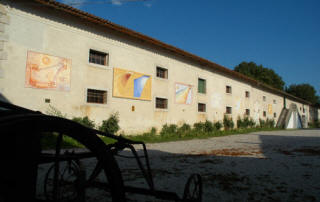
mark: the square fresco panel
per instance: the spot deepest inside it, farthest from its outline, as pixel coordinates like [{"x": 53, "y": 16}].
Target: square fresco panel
[
  {"x": 129, "y": 84},
  {"x": 47, "y": 72},
  {"x": 183, "y": 93}
]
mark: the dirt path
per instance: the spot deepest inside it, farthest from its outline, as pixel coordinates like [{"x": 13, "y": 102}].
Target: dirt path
[{"x": 263, "y": 166}]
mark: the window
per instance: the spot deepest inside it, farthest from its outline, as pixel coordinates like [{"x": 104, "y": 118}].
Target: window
[
  {"x": 201, "y": 86},
  {"x": 264, "y": 98},
  {"x": 161, "y": 103},
  {"x": 201, "y": 107},
  {"x": 264, "y": 113},
  {"x": 247, "y": 94},
  {"x": 98, "y": 57},
  {"x": 162, "y": 73},
  {"x": 228, "y": 110},
  {"x": 96, "y": 96},
  {"x": 248, "y": 112},
  {"x": 274, "y": 101},
  {"x": 274, "y": 115},
  {"x": 228, "y": 89}
]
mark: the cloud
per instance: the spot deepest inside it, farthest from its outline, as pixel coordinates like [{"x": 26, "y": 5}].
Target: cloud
[
  {"x": 116, "y": 2},
  {"x": 74, "y": 3}
]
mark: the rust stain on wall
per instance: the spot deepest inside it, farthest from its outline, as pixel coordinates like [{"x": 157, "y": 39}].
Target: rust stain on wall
[
  {"x": 202, "y": 117},
  {"x": 160, "y": 116},
  {"x": 85, "y": 110}
]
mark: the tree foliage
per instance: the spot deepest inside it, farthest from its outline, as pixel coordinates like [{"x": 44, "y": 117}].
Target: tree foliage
[
  {"x": 304, "y": 91},
  {"x": 260, "y": 73}
]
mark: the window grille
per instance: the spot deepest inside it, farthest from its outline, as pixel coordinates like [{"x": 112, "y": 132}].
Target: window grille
[
  {"x": 98, "y": 57},
  {"x": 161, "y": 103},
  {"x": 228, "y": 110},
  {"x": 201, "y": 107},
  {"x": 162, "y": 73},
  {"x": 96, "y": 96}
]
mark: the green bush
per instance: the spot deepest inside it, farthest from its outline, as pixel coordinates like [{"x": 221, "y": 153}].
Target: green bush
[
  {"x": 111, "y": 125},
  {"x": 228, "y": 123},
  {"x": 184, "y": 130},
  {"x": 199, "y": 126},
  {"x": 240, "y": 123},
  {"x": 218, "y": 125},
  {"x": 208, "y": 127},
  {"x": 169, "y": 130},
  {"x": 269, "y": 123},
  {"x": 246, "y": 122},
  {"x": 262, "y": 123},
  {"x": 153, "y": 131},
  {"x": 252, "y": 123},
  {"x": 84, "y": 121}
]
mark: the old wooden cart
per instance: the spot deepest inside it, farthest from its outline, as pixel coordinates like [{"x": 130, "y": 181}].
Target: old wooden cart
[{"x": 66, "y": 179}]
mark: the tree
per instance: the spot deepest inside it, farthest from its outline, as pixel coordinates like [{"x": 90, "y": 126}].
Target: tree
[
  {"x": 304, "y": 91},
  {"x": 260, "y": 73}
]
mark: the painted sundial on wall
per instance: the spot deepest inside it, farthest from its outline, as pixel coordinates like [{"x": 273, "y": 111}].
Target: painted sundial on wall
[{"x": 47, "y": 72}]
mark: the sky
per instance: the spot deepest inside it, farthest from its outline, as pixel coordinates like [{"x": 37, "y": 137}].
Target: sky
[{"x": 283, "y": 35}]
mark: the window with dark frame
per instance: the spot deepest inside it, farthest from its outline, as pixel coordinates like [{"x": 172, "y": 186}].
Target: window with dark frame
[
  {"x": 247, "y": 94},
  {"x": 98, "y": 57},
  {"x": 161, "y": 103},
  {"x": 201, "y": 86},
  {"x": 264, "y": 98},
  {"x": 248, "y": 112},
  {"x": 228, "y": 110},
  {"x": 201, "y": 107},
  {"x": 274, "y": 115},
  {"x": 228, "y": 89},
  {"x": 264, "y": 113},
  {"x": 96, "y": 96},
  {"x": 162, "y": 73}
]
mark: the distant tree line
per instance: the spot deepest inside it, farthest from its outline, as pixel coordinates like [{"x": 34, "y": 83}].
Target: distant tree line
[{"x": 271, "y": 78}]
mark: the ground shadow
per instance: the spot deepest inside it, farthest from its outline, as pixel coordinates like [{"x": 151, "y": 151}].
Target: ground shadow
[
  {"x": 275, "y": 168},
  {"x": 266, "y": 166}
]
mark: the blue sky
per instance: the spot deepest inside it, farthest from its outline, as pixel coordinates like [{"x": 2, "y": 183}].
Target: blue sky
[{"x": 283, "y": 35}]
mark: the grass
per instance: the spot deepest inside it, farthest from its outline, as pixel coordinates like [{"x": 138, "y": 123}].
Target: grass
[
  {"x": 49, "y": 140},
  {"x": 154, "y": 138}
]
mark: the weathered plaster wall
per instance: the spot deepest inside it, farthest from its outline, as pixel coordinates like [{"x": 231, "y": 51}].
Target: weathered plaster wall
[
  {"x": 52, "y": 32},
  {"x": 4, "y": 37}
]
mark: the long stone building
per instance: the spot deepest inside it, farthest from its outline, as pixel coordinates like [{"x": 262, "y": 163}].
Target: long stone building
[{"x": 55, "y": 55}]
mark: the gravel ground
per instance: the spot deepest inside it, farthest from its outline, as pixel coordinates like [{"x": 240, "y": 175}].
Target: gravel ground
[{"x": 262, "y": 166}]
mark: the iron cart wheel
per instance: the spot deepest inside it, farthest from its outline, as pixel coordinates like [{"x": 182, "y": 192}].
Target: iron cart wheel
[
  {"x": 68, "y": 177},
  {"x": 30, "y": 125},
  {"x": 193, "y": 189}
]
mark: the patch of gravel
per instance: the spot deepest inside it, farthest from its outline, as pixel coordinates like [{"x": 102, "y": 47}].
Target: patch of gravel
[{"x": 261, "y": 166}]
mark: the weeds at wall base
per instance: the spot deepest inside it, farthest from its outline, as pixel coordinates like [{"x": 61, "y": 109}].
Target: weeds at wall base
[
  {"x": 154, "y": 138},
  {"x": 169, "y": 132}
]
